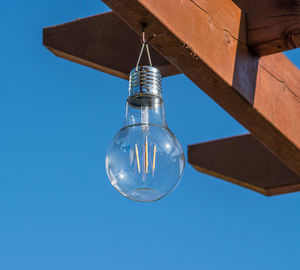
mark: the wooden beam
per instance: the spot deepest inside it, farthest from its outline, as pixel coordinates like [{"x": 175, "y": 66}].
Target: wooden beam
[
  {"x": 205, "y": 39},
  {"x": 244, "y": 161},
  {"x": 103, "y": 42},
  {"x": 272, "y": 26}
]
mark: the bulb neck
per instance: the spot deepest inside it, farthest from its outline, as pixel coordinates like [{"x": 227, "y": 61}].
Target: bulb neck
[{"x": 145, "y": 105}]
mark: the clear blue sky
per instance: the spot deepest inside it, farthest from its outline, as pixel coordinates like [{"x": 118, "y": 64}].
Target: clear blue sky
[{"x": 57, "y": 207}]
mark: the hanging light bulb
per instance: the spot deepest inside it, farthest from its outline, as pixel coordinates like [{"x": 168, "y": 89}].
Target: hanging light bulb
[{"x": 145, "y": 161}]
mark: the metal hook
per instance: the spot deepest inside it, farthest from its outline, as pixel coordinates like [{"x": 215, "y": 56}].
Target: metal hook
[{"x": 145, "y": 44}]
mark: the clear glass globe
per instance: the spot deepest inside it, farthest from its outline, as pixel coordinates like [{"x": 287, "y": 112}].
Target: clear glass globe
[{"x": 145, "y": 162}]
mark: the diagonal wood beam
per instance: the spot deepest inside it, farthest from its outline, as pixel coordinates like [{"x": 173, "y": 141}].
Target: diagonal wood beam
[
  {"x": 272, "y": 26},
  {"x": 244, "y": 161},
  {"x": 205, "y": 39}
]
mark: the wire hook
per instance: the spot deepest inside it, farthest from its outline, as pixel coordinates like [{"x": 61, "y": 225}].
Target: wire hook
[{"x": 145, "y": 44}]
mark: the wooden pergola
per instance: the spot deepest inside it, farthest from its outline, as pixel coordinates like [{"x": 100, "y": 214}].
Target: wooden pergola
[{"x": 232, "y": 50}]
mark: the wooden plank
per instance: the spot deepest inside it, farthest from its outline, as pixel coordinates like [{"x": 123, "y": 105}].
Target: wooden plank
[
  {"x": 273, "y": 26},
  {"x": 212, "y": 52},
  {"x": 103, "y": 42},
  {"x": 244, "y": 161}
]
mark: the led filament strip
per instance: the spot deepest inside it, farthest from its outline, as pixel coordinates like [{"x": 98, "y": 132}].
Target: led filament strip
[{"x": 146, "y": 158}]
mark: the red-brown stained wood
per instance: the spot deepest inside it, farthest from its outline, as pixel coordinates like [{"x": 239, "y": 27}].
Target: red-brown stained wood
[
  {"x": 103, "y": 42},
  {"x": 213, "y": 54},
  {"x": 273, "y": 26},
  {"x": 244, "y": 161}
]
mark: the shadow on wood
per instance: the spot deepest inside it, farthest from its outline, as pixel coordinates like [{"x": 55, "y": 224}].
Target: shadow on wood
[
  {"x": 103, "y": 42},
  {"x": 272, "y": 25}
]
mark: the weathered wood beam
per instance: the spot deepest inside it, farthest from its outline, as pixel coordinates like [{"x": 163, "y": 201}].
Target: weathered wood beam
[
  {"x": 205, "y": 39},
  {"x": 272, "y": 25},
  {"x": 103, "y": 42},
  {"x": 244, "y": 161}
]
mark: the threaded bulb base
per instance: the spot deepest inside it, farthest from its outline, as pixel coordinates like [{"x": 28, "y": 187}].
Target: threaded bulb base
[
  {"x": 145, "y": 87},
  {"x": 145, "y": 80}
]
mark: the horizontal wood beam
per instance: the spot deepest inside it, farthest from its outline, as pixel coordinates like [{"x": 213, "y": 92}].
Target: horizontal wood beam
[
  {"x": 205, "y": 39},
  {"x": 103, "y": 42},
  {"x": 272, "y": 26},
  {"x": 244, "y": 161}
]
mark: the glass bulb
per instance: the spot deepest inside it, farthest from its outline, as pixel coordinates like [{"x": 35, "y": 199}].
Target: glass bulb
[{"x": 145, "y": 161}]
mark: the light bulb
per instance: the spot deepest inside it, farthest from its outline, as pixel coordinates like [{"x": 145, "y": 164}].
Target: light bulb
[{"x": 145, "y": 161}]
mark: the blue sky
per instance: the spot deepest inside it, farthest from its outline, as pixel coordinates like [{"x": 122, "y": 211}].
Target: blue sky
[{"x": 57, "y": 207}]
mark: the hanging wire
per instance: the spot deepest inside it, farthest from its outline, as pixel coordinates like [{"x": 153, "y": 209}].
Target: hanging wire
[
  {"x": 148, "y": 53},
  {"x": 145, "y": 45}
]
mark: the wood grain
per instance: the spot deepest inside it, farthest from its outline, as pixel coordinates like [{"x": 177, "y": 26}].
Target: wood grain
[
  {"x": 103, "y": 42},
  {"x": 244, "y": 161},
  {"x": 272, "y": 25},
  {"x": 213, "y": 54}
]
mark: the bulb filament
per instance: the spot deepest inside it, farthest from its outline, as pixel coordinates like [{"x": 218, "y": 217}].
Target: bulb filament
[
  {"x": 137, "y": 157},
  {"x": 146, "y": 155},
  {"x": 154, "y": 156},
  {"x": 146, "y": 158}
]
